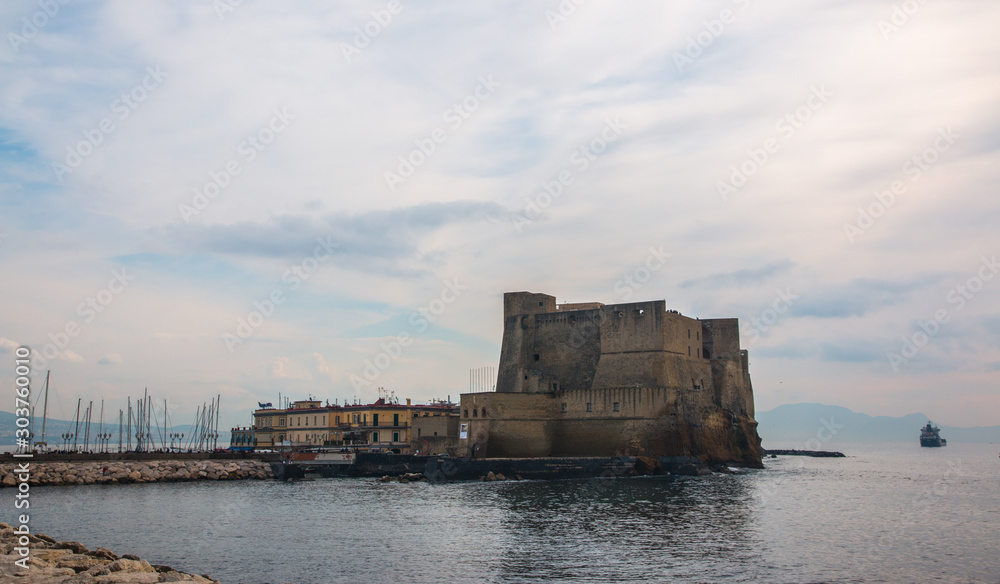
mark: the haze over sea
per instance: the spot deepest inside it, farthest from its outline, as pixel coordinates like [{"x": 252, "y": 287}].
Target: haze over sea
[{"x": 886, "y": 513}]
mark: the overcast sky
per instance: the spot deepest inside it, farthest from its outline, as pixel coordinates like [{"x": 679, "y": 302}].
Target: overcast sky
[{"x": 205, "y": 199}]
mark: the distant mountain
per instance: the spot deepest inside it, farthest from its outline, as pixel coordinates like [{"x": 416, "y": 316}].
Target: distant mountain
[
  {"x": 54, "y": 428},
  {"x": 800, "y": 422}
]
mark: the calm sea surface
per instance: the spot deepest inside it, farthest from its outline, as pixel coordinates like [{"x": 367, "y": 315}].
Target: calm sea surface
[{"x": 887, "y": 513}]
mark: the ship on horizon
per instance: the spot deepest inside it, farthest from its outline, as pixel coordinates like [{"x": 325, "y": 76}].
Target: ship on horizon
[{"x": 930, "y": 436}]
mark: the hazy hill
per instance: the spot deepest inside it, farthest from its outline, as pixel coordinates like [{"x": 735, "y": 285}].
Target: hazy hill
[
  {"x": 800, "y": 422},
  {"x": 53, "y": 429}
]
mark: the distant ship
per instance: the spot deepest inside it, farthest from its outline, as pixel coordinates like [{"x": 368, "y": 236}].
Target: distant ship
[{"x": 930, "y": 436}]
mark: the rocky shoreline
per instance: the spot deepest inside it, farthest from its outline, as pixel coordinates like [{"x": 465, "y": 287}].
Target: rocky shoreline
[
  {"x": 68, "y": 562},
  {"x": 146, "y": 471}
]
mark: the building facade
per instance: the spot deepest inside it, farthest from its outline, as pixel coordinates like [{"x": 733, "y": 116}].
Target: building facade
[
  {"x": 607, "y": 380},
  {"x": 382, "y": 426}
]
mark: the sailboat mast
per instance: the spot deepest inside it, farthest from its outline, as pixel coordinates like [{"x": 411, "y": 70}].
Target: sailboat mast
[
  {"x": 76, "y": 430},
  {"x": 45, "y": 407}
]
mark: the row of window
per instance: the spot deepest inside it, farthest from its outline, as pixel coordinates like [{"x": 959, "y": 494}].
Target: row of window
[{"x": 475, "y": 413}]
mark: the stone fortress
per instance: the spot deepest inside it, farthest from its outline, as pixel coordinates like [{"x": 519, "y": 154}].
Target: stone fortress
[{"x": 630, "y": 379}]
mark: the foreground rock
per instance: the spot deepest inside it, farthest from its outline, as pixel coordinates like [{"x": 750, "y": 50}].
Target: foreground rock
[
  {"x": 70, "y": 562},
  {"x": 140, "y": 471}
]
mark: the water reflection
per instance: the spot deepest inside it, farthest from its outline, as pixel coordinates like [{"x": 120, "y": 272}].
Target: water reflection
[{"x": 629, "y": 529}]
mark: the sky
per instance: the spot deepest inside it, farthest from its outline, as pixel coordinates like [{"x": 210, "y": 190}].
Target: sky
[{"x": 253, "y": 199}]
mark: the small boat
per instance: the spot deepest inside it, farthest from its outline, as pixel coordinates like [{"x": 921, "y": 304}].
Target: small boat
[{"x": 930, "y": 436}]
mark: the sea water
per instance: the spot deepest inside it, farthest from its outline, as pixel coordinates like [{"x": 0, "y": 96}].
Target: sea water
[{"x": 886, "y": 513}]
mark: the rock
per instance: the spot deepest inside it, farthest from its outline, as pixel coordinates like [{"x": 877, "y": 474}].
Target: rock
[
  {"x": 500, "y": 477},
  {"x": 134, "y": 475},
  {"x": 519, "y": 477},
  {"x": 131, "y": 564},
  {"x": 105, "y": 553},
  {"x": 77, "y": 547},
  {"x": 648, "y": 466},
  {"x": 490, "y": 476},
  {"x": 79, "y": 563},
  {"x": 9, "y": 481}
]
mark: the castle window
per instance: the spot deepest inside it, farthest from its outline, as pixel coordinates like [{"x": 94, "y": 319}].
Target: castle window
[
  {"x": 697, "y": 335},
  {"x": 435, "y": 433},
  {"x": 616, "y": 407},
  {"x": 541, "y": 303},
  {"x": 466, "y": 413},
  {"x": 395, "y": 436},
  {"x": 564, "y": 408},
  {"x": 590, "y": 407},
  {"x": 555, "y": 386},
  {"x": 689, "y": 333},
  {"x": 698, "y": 352},
  {"x": 689, "y": 350},
  {"x": 537, "y": 357},
  {"x": 419, "y": 432},
  {"x": 475, "y": 413},
  {"x": 484, "y": 412}
]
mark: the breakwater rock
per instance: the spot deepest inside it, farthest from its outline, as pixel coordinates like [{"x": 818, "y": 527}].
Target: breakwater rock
[
  {"x": 51, "y": 562},
  {"x": 813, "y": 453},
  {"x": 146, "y": 471}
]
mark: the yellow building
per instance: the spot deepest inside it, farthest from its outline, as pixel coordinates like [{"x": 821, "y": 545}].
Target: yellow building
[
  {"x": 269, "y": 427},
  {"x": 383, "y": 426}
]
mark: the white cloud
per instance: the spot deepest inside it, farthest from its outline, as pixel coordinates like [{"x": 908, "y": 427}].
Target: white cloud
[
  {"x": 110, "y": 359},
  {"x": 655, "y": 186}
]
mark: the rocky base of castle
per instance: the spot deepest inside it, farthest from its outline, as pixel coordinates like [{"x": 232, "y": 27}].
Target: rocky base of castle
[
  {"x": 68, "y": 562},
  {"x": 147, "y": 471}
]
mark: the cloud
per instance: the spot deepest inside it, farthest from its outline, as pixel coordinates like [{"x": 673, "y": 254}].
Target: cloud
[
  {"x": 71, "y": 356},
  {"x": 110, "y": 359},
  {"x": 859, "y": 296},
  {"x": 741, "y": 278},
  {"x": 319, "y": 368},
  {"x": 7, "y": 345},
  {"x": 285, "y": 368},
  {"x": 371, "y": 241}
]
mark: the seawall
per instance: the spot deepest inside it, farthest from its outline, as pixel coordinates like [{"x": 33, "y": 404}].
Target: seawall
[{"x": 105, "y": 472}]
